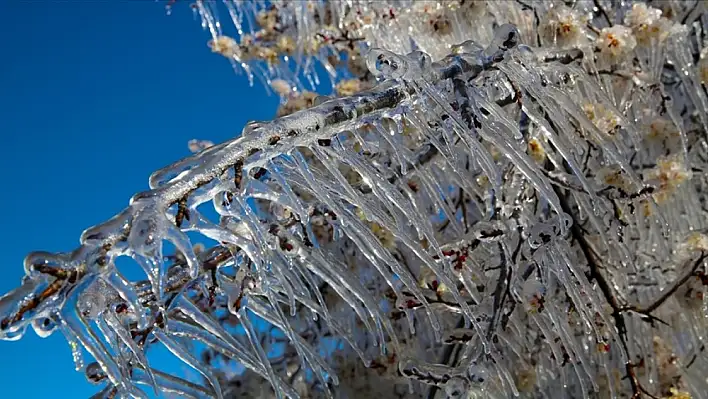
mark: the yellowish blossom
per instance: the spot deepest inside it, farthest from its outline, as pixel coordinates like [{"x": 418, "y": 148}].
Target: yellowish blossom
[
  {"x": 225, "y": 45},
  {"x": 676, "y": 394},
  {"x": 349, "y": 87},
  {"x": 565, "y": 27},
  {"x": 613, "y": 177},
  {"x": 382, "y": 234},
  {"x": 428, "y": 279},
  {"x": 282, "y": 87},
  {"x": 603, "y": 118},
  {"x": 266, "y": 54},
  {"x": 616, "y": 42},
  {"x": 695, "y": 242},
  {"x": 667, "y": 366},
  {"x": 267, "y": 19},
  {"x": 661, "y": 128},
  {"x": 669, "y": 174},
  {"x": 286, "y": 44},
  {"x": 196, "y": 146},
  {"x": 647, "y": 24},
  {"x": 297, "y": 102},
  {"x": 536, "y": 150},
  {"x": 525, "y": 378}
]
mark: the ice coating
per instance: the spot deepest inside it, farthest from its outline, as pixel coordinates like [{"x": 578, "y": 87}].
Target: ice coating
[{"x": 458, "y": 213}]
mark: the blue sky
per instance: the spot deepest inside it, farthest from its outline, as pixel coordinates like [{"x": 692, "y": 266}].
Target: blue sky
[{"x": 95, "y": 95}]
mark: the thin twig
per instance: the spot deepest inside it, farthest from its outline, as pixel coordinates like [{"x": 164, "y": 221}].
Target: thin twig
[{"x": 667, "y": 293}]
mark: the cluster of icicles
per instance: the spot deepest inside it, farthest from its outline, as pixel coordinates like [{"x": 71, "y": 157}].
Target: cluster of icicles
[
  {"x": 409, "y": 234},
  {"x": 300, "y": 41}
]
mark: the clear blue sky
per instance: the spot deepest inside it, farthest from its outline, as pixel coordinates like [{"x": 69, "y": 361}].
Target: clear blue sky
[{"x": 95, "y": 95}]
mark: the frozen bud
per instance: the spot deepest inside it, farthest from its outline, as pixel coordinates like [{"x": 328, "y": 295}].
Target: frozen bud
[
  {"x": 506, "y": 37},
  {"x": 356, "y": 63},
  {"x": 264, "y": 53},
  {"x": 456, "y": 387},
  {"x": 428, "y": 279},
  {"x": 440, "y": 24},
  {"x": 199, "y": 145},
  {"x": 477, "y": 373},
  {"x": 280, "y": 212},
  {"x": 678, "y": 394},
  {"x": 532, "y": 287},
  {"x": 420, "y": 59},
  {"x": 661, "y": 128},
  {"x": 489, "y": 231},
  {"x": 198, "y": 248},
  {"x": 384, "y": 235},
  {"x": 297, "y": 102},
  {"x": 282, "y": 87},
  {"x": 536, "y": 150},
  {"x": 225, "y": 45},
  {"x": 668, "y": 367}
]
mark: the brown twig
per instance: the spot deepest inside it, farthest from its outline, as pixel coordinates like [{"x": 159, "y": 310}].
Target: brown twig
[{"x": 667, "y": 293}]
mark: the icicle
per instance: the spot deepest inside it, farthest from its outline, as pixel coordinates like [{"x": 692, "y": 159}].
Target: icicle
[
  {"x": 145, "y": 238},
  {"x": 484, "y": 158},
  {"x": 679, "y": 54},
  {"x": 253, "y": 338},
  {"x": 112, "y": 320},
  {"x": 180, "y": 329},
  {"x": 322, "y": 370},
  {"x": 128, "y": 293},
  {"x": 173, "y": 385},
  {"x": 181, "y": 242},
  {"x": 183, "y": 354},
  {"x": 74, "y": 323},
  {"x": 205, "y": 321},
  {"x": 361, "y": 235},
  {"x": 387, "y": 191},
  {"x": 75, "y": 346},
  {"x": 354, "y": 286}
]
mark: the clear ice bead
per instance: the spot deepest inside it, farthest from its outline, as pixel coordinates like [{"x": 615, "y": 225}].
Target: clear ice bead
[
  {"x": 384, "y": 64},
  {"x": 44, "y": 327}
]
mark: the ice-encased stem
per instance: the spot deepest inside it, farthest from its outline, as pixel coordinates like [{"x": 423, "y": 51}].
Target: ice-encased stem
[{"x": 268, "y": 140}]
